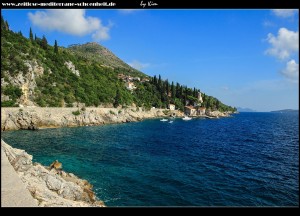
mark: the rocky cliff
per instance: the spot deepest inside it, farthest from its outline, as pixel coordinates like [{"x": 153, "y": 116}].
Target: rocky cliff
[
  {"x": 50, "y": 186},
  {"x": 33, "y": 118}
]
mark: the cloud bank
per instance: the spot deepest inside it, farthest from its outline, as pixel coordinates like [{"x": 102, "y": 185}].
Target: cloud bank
[
  {"x": 284, "y": 44},
  {"x": 291, "y": 70},
  {"x": 70, "y": 21}
]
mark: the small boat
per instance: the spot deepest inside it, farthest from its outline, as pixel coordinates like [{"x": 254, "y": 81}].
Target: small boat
[
  {"x": 186, "y": 118},
  {"x": 163, "y": 120},
  {"x": 170, "y": 121}
]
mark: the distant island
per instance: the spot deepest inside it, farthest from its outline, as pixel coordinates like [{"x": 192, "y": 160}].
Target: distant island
[
  {"x": 240, "y": 109},
  {"x": 285, "y": 111}
]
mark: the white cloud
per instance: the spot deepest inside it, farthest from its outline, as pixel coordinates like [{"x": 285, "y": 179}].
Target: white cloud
[
  {"x": 286, "y": 43},
  {"x": 101, "y": 34},
  {"x": 291, "y": 71},
  {"x": 70, "y": 21},
  {"x": 139, "y": 65},
  {"x": 284, "y": 13}
]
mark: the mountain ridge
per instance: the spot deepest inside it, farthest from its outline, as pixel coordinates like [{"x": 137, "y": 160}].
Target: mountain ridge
[{"x": 241, "y": 109}]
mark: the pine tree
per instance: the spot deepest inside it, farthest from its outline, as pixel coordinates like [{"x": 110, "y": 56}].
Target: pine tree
[
  {"x": 159, "y": 84},
  {"x": 177, "y": 90},
  {"x": 167, "y": 87},
  {"x": 35, "y": 37},
  {"x": 55, "y": 47},
  {"x": 117, "y": 99},
  {"x": 173, "y": 90},
  {"x": 155, "y": 80},
  {"x": 44, "y": 42},
  {"x": 195, "y": 93},
  {"x": 30, "y": 34},
  {"x": 2, "y": 22}
]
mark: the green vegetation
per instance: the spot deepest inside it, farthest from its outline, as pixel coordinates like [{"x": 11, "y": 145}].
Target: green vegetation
[
  {"x": 8, "y": 103},
  {"x": 112, "y": 112},
  {"x": 166, "y": 112},
  {"x": 97, "y": 82},
  {"x": 76, "y": 113},
  {"x": 13, "y": 91}
]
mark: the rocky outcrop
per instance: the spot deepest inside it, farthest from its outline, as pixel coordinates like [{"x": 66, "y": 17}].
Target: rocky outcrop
[
  {"x": 50, "y": 186},
  {"x": 216, "y": 114},
  {"x": 25, "y": 81},
  {"x": 72, "y": 68},
  {"x": 37, "y": 117}
]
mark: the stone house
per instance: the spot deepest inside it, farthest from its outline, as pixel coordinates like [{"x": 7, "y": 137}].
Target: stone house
[
  {"x": 190, "y": 110},
  {"x": 201, "y": 111}
]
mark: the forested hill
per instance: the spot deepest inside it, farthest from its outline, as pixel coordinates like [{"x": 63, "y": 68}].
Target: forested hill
[
  {"x": 104, "y": 57},
  {"x": 34, "y": 73}
]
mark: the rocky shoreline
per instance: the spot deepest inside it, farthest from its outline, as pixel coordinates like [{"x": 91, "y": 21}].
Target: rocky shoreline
[
  {"x": 51, "y": 187},
  {"x": 40, "y": 117},
  {"x": 32, "y": 118}
]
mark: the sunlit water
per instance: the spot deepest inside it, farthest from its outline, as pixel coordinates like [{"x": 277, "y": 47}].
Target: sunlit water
[{"x": 251, "y": 159}]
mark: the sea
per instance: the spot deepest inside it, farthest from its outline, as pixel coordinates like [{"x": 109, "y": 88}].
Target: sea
[{"x": 249, "y": 159}]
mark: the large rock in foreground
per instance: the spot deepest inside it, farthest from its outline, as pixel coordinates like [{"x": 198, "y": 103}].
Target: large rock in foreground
[{"x": 51, "y": 187}]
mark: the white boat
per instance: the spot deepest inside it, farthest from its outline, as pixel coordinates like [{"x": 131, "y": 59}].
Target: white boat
[
  {"x": 163, "y": 120},
  {"x": 186, "y": 118},
  {"x": 170, "y": 121}
]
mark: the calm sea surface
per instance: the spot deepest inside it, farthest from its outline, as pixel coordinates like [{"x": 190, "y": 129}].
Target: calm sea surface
[{"x": 251, "y": 159}]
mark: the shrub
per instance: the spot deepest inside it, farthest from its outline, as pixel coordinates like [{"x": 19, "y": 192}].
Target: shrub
[
  {"x": 9, "y": 103},
  {"x": 69, "y": 105},
  {"x": 112, "y": 112},
  {"x": 166, "y": 112},
  {"x": 76, "y": 113},
  {"x": 13, "y": 91}
]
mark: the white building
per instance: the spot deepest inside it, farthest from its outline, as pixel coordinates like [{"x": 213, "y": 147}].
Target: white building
[{"x": 171, "y": 106}]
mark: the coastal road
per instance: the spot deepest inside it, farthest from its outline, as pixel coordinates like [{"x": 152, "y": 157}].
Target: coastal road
[{"x": 13, "y": 190}]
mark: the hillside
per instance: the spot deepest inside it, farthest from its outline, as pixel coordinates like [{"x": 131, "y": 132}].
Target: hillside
[
  {"x": 103, "y": 56},
  {"x": 34, "y": 73}
]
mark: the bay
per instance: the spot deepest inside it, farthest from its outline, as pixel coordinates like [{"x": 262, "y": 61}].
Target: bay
[{"x": 250, "y": 159}]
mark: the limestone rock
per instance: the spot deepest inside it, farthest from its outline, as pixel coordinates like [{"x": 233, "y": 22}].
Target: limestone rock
[
  {"x": 72, "y": 68},
  {"x": 51, "y": 187},
  {"x": 29, "y": 118}
]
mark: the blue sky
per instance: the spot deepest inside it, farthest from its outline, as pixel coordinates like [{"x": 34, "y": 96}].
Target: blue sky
[{"x": 245, "y": 58}]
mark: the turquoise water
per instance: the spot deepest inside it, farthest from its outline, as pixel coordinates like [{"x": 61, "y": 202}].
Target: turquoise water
[{"x": 251, "y": 159}]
